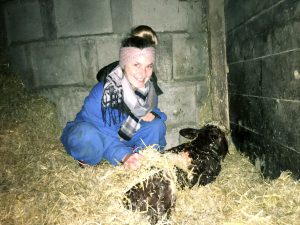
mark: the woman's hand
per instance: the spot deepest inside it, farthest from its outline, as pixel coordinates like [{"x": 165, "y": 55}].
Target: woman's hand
[
  {"x": 132, "y": 161},
  {"x": 148, "y": 117}
]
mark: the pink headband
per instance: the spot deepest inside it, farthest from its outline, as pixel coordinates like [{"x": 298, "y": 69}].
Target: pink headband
[{"x": 128, "y": 54}]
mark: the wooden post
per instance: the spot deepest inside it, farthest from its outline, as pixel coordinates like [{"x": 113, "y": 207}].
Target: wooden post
[{"x": 217, "y": 62}]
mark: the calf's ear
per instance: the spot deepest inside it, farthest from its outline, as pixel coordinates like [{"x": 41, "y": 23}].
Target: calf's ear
[{"x": 189, "y": 133}]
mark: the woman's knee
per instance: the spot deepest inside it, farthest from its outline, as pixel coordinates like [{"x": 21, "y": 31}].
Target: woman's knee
[
  {"x": 151, "y": 132},
  {"x": 83, "y": 142}
]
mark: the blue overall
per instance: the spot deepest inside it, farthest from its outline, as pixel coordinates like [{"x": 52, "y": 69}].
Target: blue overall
[{"x": 88, "y": 138}]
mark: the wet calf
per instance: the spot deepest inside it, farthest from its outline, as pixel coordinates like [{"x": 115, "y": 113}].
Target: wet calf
[
  {"x": 155, "y": 196},
  {"x": 207, "y": 148}
]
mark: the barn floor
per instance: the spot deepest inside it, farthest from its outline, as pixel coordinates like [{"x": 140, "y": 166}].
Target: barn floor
[{"x": 41, "y": 184}]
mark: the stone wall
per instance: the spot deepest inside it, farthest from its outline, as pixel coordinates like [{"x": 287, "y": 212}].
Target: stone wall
[
  {"x": 263, "y": 47},
  {"x": 57, "y": 46}
]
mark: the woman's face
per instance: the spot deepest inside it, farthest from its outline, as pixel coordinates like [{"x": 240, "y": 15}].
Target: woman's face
[{"x": 139, "y": 71}]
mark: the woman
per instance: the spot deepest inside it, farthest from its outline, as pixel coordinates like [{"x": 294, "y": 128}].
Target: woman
[
  {"x": 119, "y": 117},
  {"x": 143, "y": 31}
]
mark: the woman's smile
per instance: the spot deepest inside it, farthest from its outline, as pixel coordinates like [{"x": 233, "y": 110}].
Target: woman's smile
[{"x": 139, "y": 72}]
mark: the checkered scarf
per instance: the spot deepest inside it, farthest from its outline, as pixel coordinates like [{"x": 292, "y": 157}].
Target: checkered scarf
[{"x": 118, "y": 93}]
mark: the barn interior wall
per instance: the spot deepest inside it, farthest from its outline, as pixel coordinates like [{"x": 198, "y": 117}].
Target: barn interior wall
[
  {"x": 57, "y": 47},
  {"x": 3, "y": 57},
  {"x": 263, "y": 52}
]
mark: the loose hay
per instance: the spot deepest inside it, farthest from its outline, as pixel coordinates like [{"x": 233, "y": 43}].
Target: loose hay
[{"x": 41, "y": 184}]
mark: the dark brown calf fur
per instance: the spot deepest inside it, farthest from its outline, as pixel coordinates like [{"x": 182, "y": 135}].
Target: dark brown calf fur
[
  {"x": 155, "y": 195},
  {"x": 207, "y": 149}
]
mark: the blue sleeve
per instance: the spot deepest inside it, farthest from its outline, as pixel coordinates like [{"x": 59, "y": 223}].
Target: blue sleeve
[
  {"x": 159, "y": 114},
  {"x": 114, "y": 149},
  {"x": 91, "y": 110}
]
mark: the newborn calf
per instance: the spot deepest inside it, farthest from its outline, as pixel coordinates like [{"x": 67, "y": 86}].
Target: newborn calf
[
  {"x": 155, "y": 196},
  {"x": 206, "y": 151}
]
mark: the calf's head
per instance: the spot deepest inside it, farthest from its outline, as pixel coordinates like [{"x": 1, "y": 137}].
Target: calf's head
[
  {"x": 210, "y": 138},
  {"x": 208, "y": 146}
]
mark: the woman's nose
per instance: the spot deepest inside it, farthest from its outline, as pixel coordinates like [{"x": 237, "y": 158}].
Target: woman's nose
[{"x": 143, "y": 71}]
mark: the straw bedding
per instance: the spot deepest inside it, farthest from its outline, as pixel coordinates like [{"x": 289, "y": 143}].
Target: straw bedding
[{"x": 41, "y": 184}]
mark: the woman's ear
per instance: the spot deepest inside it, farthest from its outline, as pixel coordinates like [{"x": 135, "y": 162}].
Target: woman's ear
[{"x": 189, "y": 133}]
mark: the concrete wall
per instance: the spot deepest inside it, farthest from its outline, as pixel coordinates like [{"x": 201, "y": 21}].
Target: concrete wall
[
  {"x": 57, "y": 46},
  {"x": 263, "y": 47}
]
